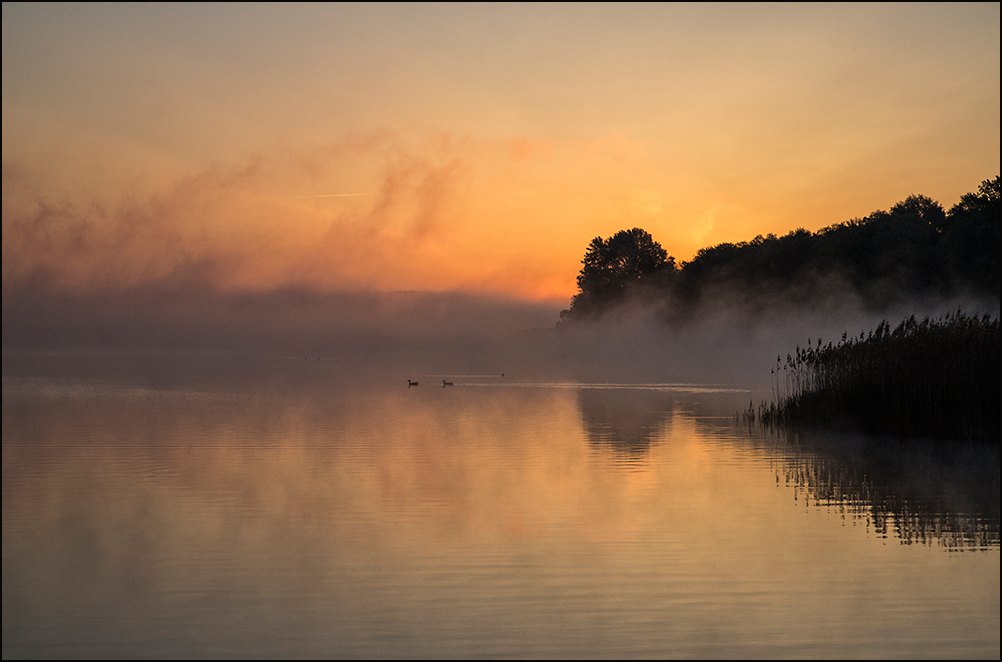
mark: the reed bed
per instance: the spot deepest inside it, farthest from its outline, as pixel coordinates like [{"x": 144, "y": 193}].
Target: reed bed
[{"x": 936, "y": 379}]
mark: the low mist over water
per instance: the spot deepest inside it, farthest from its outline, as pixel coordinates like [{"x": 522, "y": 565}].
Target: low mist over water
[{"x": 724, "y": 343}]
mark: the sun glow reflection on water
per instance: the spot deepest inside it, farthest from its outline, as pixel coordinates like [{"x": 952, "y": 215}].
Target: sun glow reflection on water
[{"x": 347, "y": 518}]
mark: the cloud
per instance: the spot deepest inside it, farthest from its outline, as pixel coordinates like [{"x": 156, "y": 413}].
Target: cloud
[
  {"x": 237, "y": 256},
  {"x": 386, "y": 211},
  {"x": 238, "y": 226}
]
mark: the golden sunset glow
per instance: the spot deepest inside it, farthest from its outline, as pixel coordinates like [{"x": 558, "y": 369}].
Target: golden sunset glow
[{"x": 476, "y": 148}]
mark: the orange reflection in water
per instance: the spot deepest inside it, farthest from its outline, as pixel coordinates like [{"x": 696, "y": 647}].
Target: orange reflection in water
[{"x": 380, "y": 520}]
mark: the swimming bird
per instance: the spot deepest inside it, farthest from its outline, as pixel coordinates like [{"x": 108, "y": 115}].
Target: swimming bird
[
  {"x": 445, "y": 383},
  {"x": 410, "y": 383}
]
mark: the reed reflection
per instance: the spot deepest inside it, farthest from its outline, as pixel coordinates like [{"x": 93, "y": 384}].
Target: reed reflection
[{"x": 920, "y": 492}]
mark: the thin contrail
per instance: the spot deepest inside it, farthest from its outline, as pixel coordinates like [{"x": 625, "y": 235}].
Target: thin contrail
[{"x": 331, "y": 195}]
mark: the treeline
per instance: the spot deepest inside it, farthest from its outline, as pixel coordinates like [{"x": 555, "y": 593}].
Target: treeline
[
  {"x": 914, "y": 249},
  {"x": 935, "y": 379}
]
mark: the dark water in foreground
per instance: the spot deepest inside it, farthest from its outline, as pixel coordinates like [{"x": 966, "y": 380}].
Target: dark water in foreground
[{"x": 304, "y": 508}]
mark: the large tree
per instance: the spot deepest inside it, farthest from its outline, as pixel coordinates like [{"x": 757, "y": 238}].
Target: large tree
[{"x": 615, "y": 266}]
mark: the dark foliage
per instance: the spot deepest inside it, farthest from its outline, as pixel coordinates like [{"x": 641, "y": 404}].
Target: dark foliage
[
  {"x": 914, "y": 249},
  {"x": 936, "y": 379},
  {"x": 623, "y": 264}
]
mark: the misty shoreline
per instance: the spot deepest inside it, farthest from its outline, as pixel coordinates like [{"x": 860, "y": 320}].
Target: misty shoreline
[{"x": 720, "y": 318}]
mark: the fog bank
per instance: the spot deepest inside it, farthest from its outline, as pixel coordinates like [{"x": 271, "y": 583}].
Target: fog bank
[{"x": 447, "y": 332}]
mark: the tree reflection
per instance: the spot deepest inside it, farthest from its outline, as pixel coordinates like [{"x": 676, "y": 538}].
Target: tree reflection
[
  {"x": 919, "y": 492},
  {"x": 628, "y": 420}
]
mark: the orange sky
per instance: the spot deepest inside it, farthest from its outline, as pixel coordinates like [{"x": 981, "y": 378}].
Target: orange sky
[{"x": 478, "y": 147}]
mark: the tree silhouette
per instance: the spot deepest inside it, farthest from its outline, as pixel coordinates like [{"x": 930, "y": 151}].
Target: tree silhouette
[
  {"x": 971, "y": 237},
  {"x": 915, "y": 249},
  {"x": 616, "y": 266}
]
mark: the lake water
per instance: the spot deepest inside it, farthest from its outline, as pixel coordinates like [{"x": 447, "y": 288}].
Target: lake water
[{"x": 309, "y": 508}]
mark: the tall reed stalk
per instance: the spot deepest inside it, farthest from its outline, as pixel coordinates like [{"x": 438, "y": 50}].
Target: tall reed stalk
[{"x": 935, "y": 378}]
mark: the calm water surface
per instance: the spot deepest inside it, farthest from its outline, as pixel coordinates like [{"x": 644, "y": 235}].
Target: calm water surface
[{"x": 304, "y": 508}]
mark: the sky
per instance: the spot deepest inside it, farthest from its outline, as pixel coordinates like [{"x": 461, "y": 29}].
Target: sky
[{"x": 472, "y": 148}]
